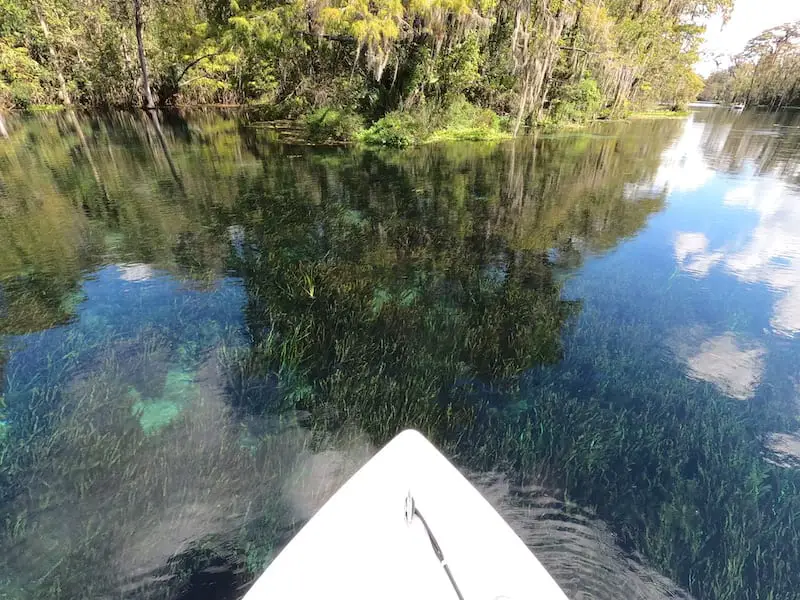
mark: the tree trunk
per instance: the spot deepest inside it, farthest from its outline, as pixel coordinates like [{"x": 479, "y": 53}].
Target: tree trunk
[
  {"x": 132, "y": 91},
  {"x": 573, "y": 37},
  {"x": 62, "y": 83},
  {"x": 787, "y": 99},
  {"x": 3, "y": 130},
  {"x": 146, "y": 93},
  {"x": 752, "y": 81},
  {"x": 163, "y": 143},
  {"x": 73, "y": 120},
  {"x": 522, "y": 101}
]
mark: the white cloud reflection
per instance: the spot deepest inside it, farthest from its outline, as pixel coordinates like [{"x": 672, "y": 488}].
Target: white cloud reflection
[
  {"x": 692, "y": 255},
  {"x": 772, "y": 253},
  {"x": 734, "y": 366},
  {"x": 682, "y": 168},
  {"x": 136, "y": 272},
  {"x": 769, "y": 255},
  {"x": 784, "y": 449}
]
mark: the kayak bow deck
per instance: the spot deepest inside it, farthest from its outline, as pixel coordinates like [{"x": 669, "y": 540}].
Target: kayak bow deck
[{"x": 371, "y": 540}]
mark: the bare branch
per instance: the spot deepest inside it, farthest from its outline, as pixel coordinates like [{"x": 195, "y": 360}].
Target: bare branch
[{"x": 193, "y": 63}]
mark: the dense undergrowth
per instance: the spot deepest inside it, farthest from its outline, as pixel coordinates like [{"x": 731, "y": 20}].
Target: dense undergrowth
[{"x": 460, "y": 120}]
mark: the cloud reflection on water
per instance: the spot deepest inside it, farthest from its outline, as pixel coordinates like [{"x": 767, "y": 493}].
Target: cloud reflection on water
[
  {"x": 733, "y": 365},
  {"x": 691, "y": 252},
  {"x": 682, "y": 168},
  {"x": 770, "y": 254}
]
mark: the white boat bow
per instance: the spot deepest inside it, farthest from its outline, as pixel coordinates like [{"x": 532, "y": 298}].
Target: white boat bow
[{"x": 392, "y": 528}]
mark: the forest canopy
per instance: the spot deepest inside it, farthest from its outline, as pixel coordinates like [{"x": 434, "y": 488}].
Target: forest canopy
[
  {"x": 527, "y": 60},
  {"x": 766, "y": 72}
]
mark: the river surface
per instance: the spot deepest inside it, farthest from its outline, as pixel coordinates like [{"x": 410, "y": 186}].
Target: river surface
[{"x": 204, "y": 332}]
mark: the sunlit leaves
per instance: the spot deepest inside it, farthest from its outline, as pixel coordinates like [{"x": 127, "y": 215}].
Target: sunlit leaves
[{"x": 366, "y": 56}]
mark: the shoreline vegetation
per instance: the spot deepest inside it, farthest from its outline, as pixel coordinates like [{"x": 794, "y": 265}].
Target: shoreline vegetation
[
  {"x": 381, "y": 72},
  {"x": 765, "y": 73},
  {"x": 462, "y": 122}
]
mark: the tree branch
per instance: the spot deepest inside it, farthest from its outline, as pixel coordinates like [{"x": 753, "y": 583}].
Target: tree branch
[
  {"x": 576, "y": 49},
  {"x": 345, "y": 39},
  {"x": 193, "y": 63}
]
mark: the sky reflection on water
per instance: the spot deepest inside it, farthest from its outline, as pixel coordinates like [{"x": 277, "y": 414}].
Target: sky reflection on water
[{"x": 202, "y": 340}]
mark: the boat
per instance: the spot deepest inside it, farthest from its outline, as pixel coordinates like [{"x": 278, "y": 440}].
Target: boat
[
  {"x": 737, "y": 106},
  {"x": 407, "y": 525}
]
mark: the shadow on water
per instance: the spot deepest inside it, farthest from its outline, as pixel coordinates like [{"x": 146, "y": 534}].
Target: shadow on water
[{"x": 205, "y": 334}]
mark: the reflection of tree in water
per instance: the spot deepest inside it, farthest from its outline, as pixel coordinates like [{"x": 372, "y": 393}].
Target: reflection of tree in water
[
  {"x": 393, "y": 286},
  {"x": 79, "y": 192},
  {"x": 383, "y": 291},
  {"x": 769, "y": 141}
]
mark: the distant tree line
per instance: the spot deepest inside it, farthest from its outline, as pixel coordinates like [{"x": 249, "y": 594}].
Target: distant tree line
[
  {"x": 766, "y": 72},
  {"x": 521, "y": 58}
]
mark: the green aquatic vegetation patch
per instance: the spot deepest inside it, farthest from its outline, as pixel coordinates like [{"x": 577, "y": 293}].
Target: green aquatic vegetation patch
[
  {"x": 154, "y": 414},
  {"x": 70, "y": 302},
  {"x": 458, "y": 121},
  {"x": 331, "y": 125},
  {"x": 659, "y": 114}
]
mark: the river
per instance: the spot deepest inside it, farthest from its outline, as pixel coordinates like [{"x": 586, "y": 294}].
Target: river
[{"x": 204, "y": 332}]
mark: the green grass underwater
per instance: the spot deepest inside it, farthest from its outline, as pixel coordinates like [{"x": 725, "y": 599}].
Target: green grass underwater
[{"x": 202, "y": 338}]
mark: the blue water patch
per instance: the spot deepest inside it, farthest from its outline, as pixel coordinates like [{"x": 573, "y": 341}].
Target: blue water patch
[{"x": 144, "y": 317}]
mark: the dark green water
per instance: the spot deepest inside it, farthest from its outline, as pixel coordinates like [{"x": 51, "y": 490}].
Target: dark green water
[{"x": 203, "y": 333}]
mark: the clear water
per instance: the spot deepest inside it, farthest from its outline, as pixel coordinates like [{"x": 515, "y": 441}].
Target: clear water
[{"x": 203, "y": 332}]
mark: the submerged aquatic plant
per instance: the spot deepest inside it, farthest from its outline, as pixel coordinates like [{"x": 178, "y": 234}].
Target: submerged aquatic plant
[
  {"x": 297, "y": 310},
  {"x": 156, "y": 413},
  {"x": 135, "y": 501}
]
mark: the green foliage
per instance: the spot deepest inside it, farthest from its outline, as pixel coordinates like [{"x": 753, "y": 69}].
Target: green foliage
[
  {"x": 460, "y": 120},
  {"x": 20, "y": 77},
  {"x": 396, "y": 130},
  {"x": 465, "y": 121},
  {"x": 665, "y": 113},
  {"x": 331, "y": 125},
  {"x": 577, "y": 102},
  {"x": 765, "y": 72},
  {"x": 519, "y": 60}
]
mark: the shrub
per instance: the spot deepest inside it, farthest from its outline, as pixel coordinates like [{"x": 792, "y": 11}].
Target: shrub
[
  {"x": 397, "y": 129},
  {"x": 20, "y": 78},
  {"x": 459, "y": 121},
  {"x": 465, "y": 121},
  {"x": 332, "y": 125},
  {"x": 577, "y": 102}
]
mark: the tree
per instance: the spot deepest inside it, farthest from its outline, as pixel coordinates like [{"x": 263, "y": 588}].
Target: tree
[
  {"x": 767, "y": 71},
  {"x": 515, "y": 57},
  {"x": 139, "y": 24}
]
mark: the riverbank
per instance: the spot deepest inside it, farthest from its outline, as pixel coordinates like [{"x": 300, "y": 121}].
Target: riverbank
[
  {"x": 461, "y": 121},
  {"x": 659, "y": 114}
]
